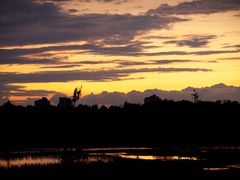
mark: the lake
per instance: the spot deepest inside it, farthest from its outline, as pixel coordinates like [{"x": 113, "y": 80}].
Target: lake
[{"x": 122, "y": 161}]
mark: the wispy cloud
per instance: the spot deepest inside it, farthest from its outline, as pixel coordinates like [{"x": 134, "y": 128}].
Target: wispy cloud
[
  {"x": 152, "y": 62},
  {"x": 228, "y": 58},
  {"x": 13, "y": 90},
  {"x": 193, "y": 41},
  {"x": 107, "y": 1},
  {"x": 49, "y": 24},
  {"x": 201, "y": 53},
  {"x": 233, "y": 46},
  {"x": 105, "y": 75},
  {"x": 15, "y": 56},
  {"x": 198, "y": 7}
]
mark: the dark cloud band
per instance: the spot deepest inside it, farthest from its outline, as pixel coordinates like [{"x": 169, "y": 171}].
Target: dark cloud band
[{"x": 65, "y": 76}]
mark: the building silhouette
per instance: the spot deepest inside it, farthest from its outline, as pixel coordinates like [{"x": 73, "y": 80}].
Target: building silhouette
[{"x": 42, "y": 103}]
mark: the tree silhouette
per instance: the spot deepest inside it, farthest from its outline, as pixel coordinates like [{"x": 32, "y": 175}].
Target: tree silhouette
[
  {"x": 8, "y": 104},
  {"x": 76, "y": 94},
  {"x": 195, "y": 96}
]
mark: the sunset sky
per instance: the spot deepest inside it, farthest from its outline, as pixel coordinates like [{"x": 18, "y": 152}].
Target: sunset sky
[{"x": 49, "y": 47}]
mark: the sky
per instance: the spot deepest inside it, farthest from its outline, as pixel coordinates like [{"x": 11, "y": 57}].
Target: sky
[{"x": 49, "y": 47}]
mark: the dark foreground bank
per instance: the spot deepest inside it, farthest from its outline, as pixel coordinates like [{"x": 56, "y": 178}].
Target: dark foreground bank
[
  {"x": 154, "y": 124},
  {"x": 195, "y": 128}
]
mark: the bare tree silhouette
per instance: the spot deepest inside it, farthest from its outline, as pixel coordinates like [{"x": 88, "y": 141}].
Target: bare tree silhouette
[{"x": 76, "y": 94}]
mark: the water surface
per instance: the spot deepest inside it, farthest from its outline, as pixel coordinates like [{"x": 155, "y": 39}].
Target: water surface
[{"x": 210, "y": 159}]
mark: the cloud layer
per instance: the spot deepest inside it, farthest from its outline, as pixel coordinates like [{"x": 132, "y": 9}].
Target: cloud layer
[
  {"x": 39, "y": 23},
  {"x": 198, "y": 7},
  {"x": 104, "y": 75},
  {"x": 213, "y": 93},
  {"x": 193, "y": 41},
  {"x": 57, "y": 38}
]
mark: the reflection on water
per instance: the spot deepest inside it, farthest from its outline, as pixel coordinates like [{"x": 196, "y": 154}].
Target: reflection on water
[
  {"x": 117, "y": 149},
  {"x": 235, "y": 166},
  {"x": 63, "y": 156},
  {"x": 219, "y": 148},
  {"x": 29, "y": 161},
  {"x": 47, "y": 161},
  {"x": 232, "y": 166},
  {"x": 216, "y": 169},
  {"x": 162, "y": 158},
  {"x": 95, "y": 159},
  {"x": 97, "y": 155}
]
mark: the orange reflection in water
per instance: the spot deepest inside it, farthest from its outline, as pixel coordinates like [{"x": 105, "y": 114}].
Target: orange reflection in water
[
  {"x": 215, "y": 169},
  {"x": 163, "y": 158},
  {"x": 28, "y": 161}
]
